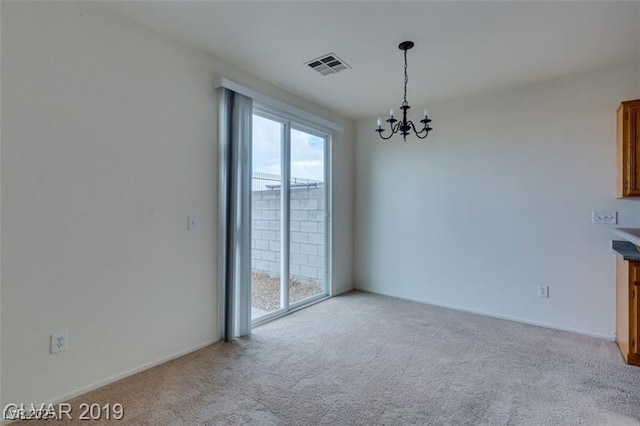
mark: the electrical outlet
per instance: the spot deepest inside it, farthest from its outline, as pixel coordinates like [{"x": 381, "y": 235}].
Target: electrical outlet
[
  {"x": 608, "y": 218},
  {"x": 59, "y": 341},
  {"x": 543, "y": 291}
]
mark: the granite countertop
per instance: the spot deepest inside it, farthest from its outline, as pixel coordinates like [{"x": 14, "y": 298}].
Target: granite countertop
[{"x": 627, "y": 250}]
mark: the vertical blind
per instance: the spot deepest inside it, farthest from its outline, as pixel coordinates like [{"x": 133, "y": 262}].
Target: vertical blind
[{"x": 236, "y": 113}]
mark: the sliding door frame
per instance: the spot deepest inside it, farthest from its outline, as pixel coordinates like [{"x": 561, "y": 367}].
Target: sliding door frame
[
  {"x": 288, "y": 124},
  {"x": 327, "y": 214}
]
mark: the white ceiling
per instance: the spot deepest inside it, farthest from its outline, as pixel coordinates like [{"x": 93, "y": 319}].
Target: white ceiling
[{"x": 461, "y": 47}]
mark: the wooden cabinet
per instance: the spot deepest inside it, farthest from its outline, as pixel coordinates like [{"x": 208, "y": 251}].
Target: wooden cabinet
[
  {"x": 627, "y": 312},
  {"x": 628, "y": 140}
]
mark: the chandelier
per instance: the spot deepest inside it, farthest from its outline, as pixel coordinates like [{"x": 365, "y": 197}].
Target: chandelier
[{"x": 404, "y": 126}]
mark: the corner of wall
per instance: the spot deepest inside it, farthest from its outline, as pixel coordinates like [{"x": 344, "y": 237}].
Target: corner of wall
[
  {"x": 355, "y": 172},
  {"x": 1, "y": 322}
]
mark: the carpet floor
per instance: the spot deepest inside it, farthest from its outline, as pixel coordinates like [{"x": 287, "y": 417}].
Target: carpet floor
[{"x": 364, "y": 359}]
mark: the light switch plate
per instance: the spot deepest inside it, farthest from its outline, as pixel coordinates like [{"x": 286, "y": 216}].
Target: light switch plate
[
  {"x": 543, "y": 291},
  {"x": 606, "y": 218}
]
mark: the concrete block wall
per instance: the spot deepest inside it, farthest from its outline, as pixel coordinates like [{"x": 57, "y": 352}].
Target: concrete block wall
[{"x": 307, "y": 232}]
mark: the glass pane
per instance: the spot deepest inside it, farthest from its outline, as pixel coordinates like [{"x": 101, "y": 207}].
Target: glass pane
[
  {"x": 307, "y": 245},
  {"x": 265, "y": 217}
]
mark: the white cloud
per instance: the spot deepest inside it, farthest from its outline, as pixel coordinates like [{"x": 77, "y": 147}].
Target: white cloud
[
  {"x": 308, "y": 169},
  {"x": 266, "y": 145},
  {"x": 307, "y": 151},
  {"x": 307, "y": 156}
]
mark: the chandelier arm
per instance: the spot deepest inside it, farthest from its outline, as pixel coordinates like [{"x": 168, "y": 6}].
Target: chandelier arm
[
  {"x": 393, "y": 129},
  {"x": 418, "y": 133},
  {"x": 416, "y": 130},
  {"x": 388, "y": 137}
]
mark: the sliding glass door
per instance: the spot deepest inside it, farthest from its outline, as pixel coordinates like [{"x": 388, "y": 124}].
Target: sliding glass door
[
  {"x": 288, "y": 216},
  {"x": 307, "y": 241},
  {"x": 266, "y": 217}
]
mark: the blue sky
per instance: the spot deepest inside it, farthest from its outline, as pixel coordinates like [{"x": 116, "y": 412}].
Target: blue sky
[{"x": 307, "y": 151}]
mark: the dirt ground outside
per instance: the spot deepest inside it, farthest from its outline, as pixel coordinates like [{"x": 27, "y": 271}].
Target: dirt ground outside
[{"x": 265, "y": 291}]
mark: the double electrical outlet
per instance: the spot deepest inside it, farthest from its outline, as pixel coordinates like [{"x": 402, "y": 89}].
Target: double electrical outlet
[{"x": 59, "y": 341}]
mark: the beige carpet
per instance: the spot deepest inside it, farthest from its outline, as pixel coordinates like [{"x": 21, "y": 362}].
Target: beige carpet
[{"x": 362, "y": 359}]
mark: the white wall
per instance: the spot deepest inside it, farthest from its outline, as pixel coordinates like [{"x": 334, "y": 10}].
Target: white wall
[
  {"x": 638, "y": 43},
  {"x": 108, "y": 143},
  {"x": 498, "y": 201},
  {"x": 1, "y": 400}
]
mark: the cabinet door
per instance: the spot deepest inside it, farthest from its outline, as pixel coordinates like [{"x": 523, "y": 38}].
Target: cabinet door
[
  {"x": 634, "y": 320},
  {"x": 629, "y": 128},
  {"x": 632, "y": 118}
]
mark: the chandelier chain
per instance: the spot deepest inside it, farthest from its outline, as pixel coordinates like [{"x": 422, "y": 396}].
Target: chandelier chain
[{"x": 406, "y": 78}]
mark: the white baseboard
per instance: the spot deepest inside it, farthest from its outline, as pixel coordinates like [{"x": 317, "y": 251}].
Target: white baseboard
[
  {"x": 343, "y": 291},
  {"x": 70, "y": 395},
  {"x": 611, "y": 337},
  {"x": 128, "y": 373}
]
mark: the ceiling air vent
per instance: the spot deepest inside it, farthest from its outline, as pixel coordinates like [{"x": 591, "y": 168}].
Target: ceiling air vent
[{"x": 328, "y": 64}]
